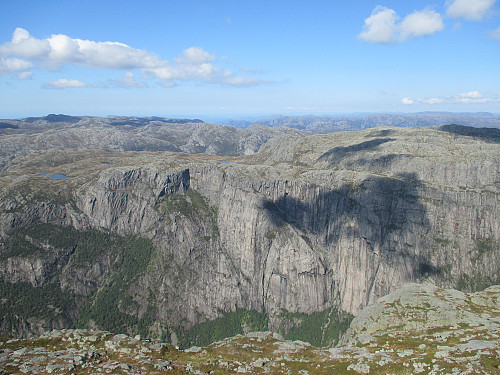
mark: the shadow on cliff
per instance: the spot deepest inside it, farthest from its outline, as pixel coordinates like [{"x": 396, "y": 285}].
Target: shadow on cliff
[
  {"x": 348, "y": 156},
  {"x": 338, "y": 153},
  {"x": 490, "y": 135},
  {"x": 382, "y": 211}
]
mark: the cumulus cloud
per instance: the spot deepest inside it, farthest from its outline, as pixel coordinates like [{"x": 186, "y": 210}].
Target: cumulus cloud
[
  {"x": 194, "y": 55},
  {"x": 13, "y": 65},
  {"x": 434, "y": 101},
  {"x": 64, "y": 83},
  {"x": 24, "y": 52},
  {"x": 495, "y": 34},
  {"x": 409, "y": 101},
  {"x": 380, "y": 27},
  {"x": 469, "y": 9},
  {"x": 127, "y": 81},
  {"x": 60, "y": 49},
  {"x": 24, "y": 75},
  {"x": 471, "y": 97},
  {"x": 420, "y": 23},
  {"x": 383, "y": 27}
]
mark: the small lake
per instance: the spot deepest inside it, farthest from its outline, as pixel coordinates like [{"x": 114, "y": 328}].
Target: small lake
[
  {"x": 59, "y": 176},
  {"x": 107, "y": 164}
]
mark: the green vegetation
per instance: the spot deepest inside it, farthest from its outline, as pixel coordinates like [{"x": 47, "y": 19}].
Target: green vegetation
[
  {"x": 21, "y": 301},
  {"x": 442, "y": 241},
  {"x": 320, "y": 329},
  {"x": 477, "y": 282},
  {"x": 191, "y": 204},
  {"x": 188, "y": 203},
  {"x": 19, "y": 246},
  {"x": 31, "y": 239},
  {"x": 126, "y": 258},
  {"x": 272, "y": 234},
  {"x": 106, "y": 309},
  {"x": 229, "y": 325},
  {"x": 486, "y": 245}
]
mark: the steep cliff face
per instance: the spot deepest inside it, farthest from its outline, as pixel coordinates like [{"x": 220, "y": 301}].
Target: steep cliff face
[{"x": 306, "y": 225}]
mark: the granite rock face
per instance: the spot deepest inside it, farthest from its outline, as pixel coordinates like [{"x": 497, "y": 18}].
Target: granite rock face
[{"x": 304, "y": 225}]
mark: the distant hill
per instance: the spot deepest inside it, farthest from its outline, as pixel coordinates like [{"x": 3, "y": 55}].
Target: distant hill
[
  {"x": 486, "y": 134},
  {"x": 329, "y": 124},
  {"x": 6, "y": 125},
  {"x": 121, "y": 133}
]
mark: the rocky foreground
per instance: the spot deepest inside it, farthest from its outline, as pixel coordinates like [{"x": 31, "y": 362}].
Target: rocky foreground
[{"x": 418, "y": 329}]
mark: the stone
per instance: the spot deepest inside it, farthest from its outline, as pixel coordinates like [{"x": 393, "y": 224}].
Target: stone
[
  {"x": 360, "y": 368},
  {"x": 193, "y": 349}
]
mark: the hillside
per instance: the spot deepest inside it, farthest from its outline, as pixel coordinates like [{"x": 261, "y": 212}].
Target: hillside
[
  {"x": 297, "y": 238},
  {"x": 60, "y": 132}
]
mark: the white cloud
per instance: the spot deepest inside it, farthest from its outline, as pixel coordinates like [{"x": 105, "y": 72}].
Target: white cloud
[
  {"x": 24, "y": 75},
  {"x": 252, "y": 71},
  {"x": 241, "y": 81},
  {"x": 420, "y": 23},
  {"x": 495, "y": 34},
  {"x": 64, "y": 83},
  {"x": 60, "y": 49},
  {"x": 471, "y": 97},
  {"x": 194, "y": 55},
  {"x": 23, "y": 45},
  {"x": 127, "y": 81},
  {"x": 24, "y": 52},
  {"x": 469, "y": 9},
  {"x": 382, "y": 26},
  {"x": 433, "y": 101},
  {"x": 195, "y": 63},
  {"x": 13, "y": 65}
]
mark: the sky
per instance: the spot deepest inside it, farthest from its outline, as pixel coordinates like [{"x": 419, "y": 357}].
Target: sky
[{"x": 240, "y": 59}]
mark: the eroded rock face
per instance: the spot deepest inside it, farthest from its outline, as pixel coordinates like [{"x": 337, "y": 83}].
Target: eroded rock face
[{"x": 307, "y": 224}]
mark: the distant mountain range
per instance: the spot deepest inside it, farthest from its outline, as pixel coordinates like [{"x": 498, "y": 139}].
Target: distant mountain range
[
  {"x": 194, "y": 136},
  {"x": 21, "y": 137},
  {"x": 329, "y": 124}
]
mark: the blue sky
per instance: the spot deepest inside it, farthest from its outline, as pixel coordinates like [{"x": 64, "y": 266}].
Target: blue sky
[{"x": 221, "y": 59}]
